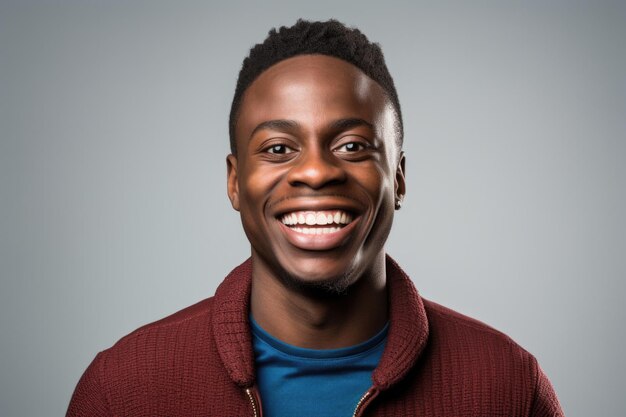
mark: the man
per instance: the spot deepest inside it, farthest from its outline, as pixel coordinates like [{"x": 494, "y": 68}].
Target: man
[{"x": 319, "y": 321}]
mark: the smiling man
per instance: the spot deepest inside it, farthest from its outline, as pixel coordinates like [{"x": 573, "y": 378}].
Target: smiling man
[{"x": 319, "y": 321}]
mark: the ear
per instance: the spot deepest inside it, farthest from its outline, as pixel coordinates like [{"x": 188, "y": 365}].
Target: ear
[
  {"x": 399, "y": 183},
  {"x": 232, "y": 183}
]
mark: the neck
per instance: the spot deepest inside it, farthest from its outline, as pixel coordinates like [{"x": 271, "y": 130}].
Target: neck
[{"x": 307, "y": 319}]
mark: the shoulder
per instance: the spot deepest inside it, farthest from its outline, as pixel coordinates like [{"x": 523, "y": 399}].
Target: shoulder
[
  {"x": 149, "y": 361},
  {"x": 477, "y": 349},
  {"x": 182, "y": 331},
  {"x": 445, "y": 319},
  {"x": 473, "y": 351},
  {"x": 185, "y": 325},
  {"x": 199, "y": 311}
]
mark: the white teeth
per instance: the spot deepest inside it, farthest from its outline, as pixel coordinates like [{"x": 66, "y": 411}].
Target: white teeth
[
  {"x": 316, "y": 230},
  {"x": 320, "y": 218}
]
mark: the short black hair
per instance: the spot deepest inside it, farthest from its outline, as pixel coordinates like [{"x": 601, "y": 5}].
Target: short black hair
[{"x": 331, "y": 38}]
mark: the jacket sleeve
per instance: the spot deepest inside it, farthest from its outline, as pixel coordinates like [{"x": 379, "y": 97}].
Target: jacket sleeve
[
  {"x": 88, "y": 399},
  {"x": 545, "y": 402}
]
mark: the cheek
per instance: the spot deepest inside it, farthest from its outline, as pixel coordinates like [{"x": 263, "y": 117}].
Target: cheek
[
  {"x": 259, "y": 185},
  {"x": 376, "y": 183}
]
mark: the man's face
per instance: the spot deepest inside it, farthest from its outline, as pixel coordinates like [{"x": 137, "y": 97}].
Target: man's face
[{"x": 317, "y": 171}]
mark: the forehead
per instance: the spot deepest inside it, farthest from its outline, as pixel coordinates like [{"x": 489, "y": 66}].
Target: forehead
[{"x": 312, "y": 90}]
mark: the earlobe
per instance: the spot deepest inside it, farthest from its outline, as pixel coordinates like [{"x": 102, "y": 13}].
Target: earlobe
[
  {"x": 232, "y": 184},
  {"x": 399, "y": 183}
]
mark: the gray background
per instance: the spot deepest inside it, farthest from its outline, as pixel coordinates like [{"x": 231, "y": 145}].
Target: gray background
[{"x": 113, "y": 123}]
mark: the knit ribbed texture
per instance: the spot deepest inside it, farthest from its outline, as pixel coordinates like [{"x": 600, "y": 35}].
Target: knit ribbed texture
[{"x": 198, "y": 362}]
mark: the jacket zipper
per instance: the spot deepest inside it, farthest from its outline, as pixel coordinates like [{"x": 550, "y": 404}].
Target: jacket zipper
[
  {"x": 360, "y": 406},
  {"x": 369, "y": 395},
  {"x": 255, "y": 405}
]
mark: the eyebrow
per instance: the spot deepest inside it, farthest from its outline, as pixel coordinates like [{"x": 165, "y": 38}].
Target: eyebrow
[
  {"x": 278, "y": 124},
  {"x": 285, "y": 124},
  {"x": 345, "y": 124}
]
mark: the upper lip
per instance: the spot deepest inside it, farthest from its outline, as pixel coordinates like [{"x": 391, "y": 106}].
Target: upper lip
[{"x": 292, "y": 204}]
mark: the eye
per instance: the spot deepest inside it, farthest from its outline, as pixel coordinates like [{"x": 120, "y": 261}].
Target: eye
[
  {"x": 279, "y": 149},
  {"x": 351, "y": 147}
]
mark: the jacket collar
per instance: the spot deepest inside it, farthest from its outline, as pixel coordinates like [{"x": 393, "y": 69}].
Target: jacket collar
[{"x": 407, "y": 337}]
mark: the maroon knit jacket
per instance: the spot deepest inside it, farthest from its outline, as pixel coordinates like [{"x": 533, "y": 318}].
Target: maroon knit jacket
[{"x": 199, "y": 362}]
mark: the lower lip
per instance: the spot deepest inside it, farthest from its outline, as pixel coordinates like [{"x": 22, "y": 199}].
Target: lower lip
[{"x": 321, "y": 242}]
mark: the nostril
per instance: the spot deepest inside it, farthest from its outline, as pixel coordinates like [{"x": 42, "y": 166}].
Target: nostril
[{"x": 316, "y": 174}]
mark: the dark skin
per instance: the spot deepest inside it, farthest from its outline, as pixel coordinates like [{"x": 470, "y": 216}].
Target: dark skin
[{"x": 315, "y": 136}]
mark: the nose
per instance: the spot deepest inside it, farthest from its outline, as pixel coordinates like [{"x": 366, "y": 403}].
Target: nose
[{"x": 315, "y": 168}]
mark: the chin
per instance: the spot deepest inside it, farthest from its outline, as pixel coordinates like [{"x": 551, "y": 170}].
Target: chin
[{"x": 318, "y": 282}]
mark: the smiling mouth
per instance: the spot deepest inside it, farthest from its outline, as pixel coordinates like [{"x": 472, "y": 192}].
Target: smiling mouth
[{"x": 317, "y": 222}]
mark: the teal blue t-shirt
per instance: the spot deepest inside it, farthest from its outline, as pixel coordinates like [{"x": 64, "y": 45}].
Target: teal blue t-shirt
[{"x": 301, "y": 382}]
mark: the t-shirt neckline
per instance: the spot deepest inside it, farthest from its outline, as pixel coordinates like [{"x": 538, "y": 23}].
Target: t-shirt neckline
[{"x": 292, "y": 350}]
